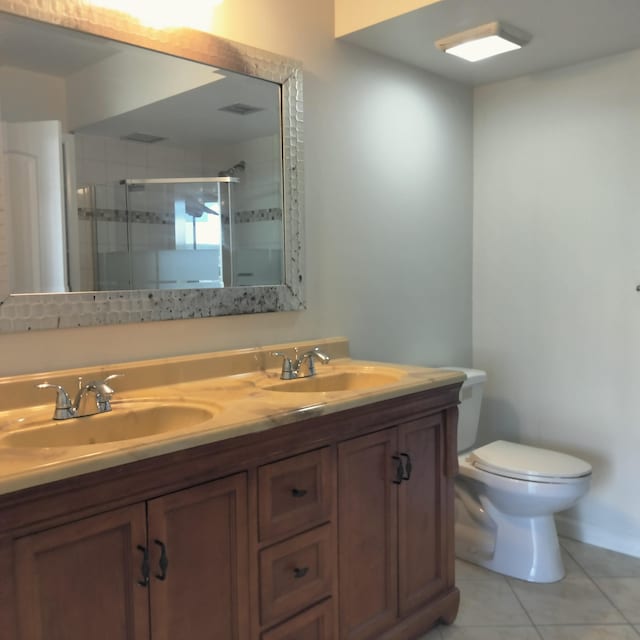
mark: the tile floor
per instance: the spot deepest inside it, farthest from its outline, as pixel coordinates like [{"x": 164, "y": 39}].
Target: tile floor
[{"x": 599, "y": 599}]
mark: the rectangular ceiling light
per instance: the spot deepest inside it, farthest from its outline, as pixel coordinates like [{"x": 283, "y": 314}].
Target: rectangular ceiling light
[{"x": 483, "y": 42}]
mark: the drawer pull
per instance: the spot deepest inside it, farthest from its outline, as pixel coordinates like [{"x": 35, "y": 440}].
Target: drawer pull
[
  {"x": 298, "y": 493},
  {"x": 300, "y": 572},
  {"x": 144, "y": 567},
  {"x": 164, "y": 560}
]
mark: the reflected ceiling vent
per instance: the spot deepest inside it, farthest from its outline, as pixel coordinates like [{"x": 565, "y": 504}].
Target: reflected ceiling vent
[
  {"x": 241, "y": 109},
  {"x": 142, "y": 137}
]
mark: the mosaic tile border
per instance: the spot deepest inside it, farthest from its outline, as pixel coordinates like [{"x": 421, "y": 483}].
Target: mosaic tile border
[
  {"x": 120, "y": 215},
  {"x": 257, "y": 215},
  {"x": 28, "y": 312},
  {"x": 153, "y": 217}
]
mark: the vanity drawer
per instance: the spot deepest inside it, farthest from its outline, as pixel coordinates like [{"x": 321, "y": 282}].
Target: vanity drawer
[
  {"x": 295, "y": 574},
  {"x": 316, "y": 623},
  {"x": 294, "y": 494}
]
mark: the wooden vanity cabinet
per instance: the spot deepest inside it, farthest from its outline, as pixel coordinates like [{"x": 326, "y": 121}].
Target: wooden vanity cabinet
[
  {"x": 103, "y": 578},
  {"x": 79, "y": 580},
  {"x": 316, "y": 623},
  {"x": 203, "y": 591},
  {"x": 395, "y": 526},
  {"x": 297, "y": 546},
  {"x": 305, "y": 531}
]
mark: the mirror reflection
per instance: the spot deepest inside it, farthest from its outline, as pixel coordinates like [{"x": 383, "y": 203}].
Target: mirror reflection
[{"x": 130, "y": 169}]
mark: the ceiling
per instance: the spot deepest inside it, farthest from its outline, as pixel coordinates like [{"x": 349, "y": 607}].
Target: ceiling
[
  {"x": 563, "y": 32},
  {"x": 43, "y": 48},
  {"x": 190, "y": 119}
]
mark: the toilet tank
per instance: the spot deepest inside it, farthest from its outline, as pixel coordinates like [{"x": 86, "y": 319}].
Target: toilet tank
[{"x": 469, "y": 407}]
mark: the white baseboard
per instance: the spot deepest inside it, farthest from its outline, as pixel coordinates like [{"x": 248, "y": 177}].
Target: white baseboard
[{"x": 591, "y": 534}]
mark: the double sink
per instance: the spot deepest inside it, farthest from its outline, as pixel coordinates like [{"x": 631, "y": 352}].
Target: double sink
[{"x": 144, "y": 418}]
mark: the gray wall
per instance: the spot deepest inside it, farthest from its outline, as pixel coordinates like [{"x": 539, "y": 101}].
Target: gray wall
[{"x": 555, "y": 312}]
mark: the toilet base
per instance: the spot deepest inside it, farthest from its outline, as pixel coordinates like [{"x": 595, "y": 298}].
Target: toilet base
[{"x": 524, "y": 548}]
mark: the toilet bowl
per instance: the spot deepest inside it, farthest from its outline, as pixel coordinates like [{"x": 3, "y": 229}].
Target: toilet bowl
[{"x": 507, "y": 495}]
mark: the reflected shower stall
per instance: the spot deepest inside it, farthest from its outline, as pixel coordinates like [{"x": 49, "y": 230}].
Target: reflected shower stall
[{"x": 164, "y": 234}]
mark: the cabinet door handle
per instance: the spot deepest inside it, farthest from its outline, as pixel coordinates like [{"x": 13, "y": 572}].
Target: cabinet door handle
[
  {"x": 144, "y": 567},
  {"x": 399, "y": 470},
  {"x": 298, "y": 493},
  {"x": 300, "y": 572},
  {"x": 407, "y": 466},
  {"x": 164, "y": 560}
]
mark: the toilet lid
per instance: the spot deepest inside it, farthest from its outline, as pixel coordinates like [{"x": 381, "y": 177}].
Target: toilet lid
[{"x": 528, "y": 463}]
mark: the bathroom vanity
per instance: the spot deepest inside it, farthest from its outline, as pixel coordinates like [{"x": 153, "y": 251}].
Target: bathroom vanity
[{"x": 319, "y": 513}]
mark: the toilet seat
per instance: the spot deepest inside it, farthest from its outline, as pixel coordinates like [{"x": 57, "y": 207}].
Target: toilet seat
[{"x": 522, "y": 462}]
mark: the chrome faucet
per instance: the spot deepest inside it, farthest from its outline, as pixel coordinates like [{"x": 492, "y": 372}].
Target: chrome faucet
[
  {"x": 91, "y": 398},
  {"x": 302, "y": 366}
]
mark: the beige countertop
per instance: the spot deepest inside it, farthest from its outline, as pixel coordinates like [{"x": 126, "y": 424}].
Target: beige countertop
[{"x": 230, "y": 386}]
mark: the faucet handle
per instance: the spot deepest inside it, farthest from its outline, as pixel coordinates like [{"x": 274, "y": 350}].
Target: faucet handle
[
  {"x": 105, "y": 389},
  {"x": 64, "y": 408},
  {"x": 287, "y": 367},
  {"x": 104, "y": 392},
  {"x": 317, "y": 353},
  {"x": 112, "y": 376},
  {"x": 309, "y": 357}
]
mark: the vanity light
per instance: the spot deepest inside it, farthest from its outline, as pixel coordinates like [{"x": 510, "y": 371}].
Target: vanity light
[
  {"x": 485, "y": 41},
  {"x": 197, "y": 14}
]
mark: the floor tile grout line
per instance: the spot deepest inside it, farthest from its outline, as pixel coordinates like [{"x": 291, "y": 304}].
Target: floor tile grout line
[
  {"x": 586, "y": 624},
  {"x": 584, "y": 570},
  {"x": 590, "y": 573},
  {"x": 593, "y": 580},
  {"x": 606, "y": 597},
  {"x": 533, "y": 624},
  {"x": 613, "y": 604}
]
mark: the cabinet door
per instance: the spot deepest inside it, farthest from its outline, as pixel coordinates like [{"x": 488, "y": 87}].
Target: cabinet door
[
  {"x": 367, "y": 524},
  {"x": 421, "y": 513},
  {"x": 200, "y": 537},
  {"x": 80, "y": 580}
]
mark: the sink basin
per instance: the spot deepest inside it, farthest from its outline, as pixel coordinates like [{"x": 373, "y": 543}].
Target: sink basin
[
  {"x": 137, "y": 420},
  {"x": 343, "y": 381}
]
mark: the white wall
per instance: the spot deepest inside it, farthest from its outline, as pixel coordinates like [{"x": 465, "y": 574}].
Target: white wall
[
  {"x": 388, "y": 213},
  {"x": 30, "y": 96},
  {"x": 556, "y": 263}
]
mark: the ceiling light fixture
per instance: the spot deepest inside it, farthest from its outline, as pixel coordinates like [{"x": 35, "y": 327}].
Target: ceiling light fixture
[{"x": 483, "y": 42}]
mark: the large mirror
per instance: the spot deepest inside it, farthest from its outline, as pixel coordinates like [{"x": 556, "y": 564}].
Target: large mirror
[{"x": 144, "y": 182}]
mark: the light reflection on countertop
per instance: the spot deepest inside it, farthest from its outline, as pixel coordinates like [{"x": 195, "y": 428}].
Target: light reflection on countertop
[{"x": 239, "y": 403}]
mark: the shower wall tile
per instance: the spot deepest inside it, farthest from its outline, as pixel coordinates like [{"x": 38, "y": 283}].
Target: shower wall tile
[
  {"x": 85, "y": 250},
  {"x": 119, "y": 158},
  {"x": 115, "y": 172},
  {"x": 135, "y": 153},
  {"x": 92, "y": 147},
  {"x": 92, "y": 171},
  {"x": 113, "y": 148}
]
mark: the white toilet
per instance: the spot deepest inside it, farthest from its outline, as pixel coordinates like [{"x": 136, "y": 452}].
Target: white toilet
[{"x": 506, "y": 495}]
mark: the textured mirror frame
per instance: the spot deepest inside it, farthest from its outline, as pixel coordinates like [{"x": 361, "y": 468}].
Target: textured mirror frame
[{"x": 28, "y": 312}]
